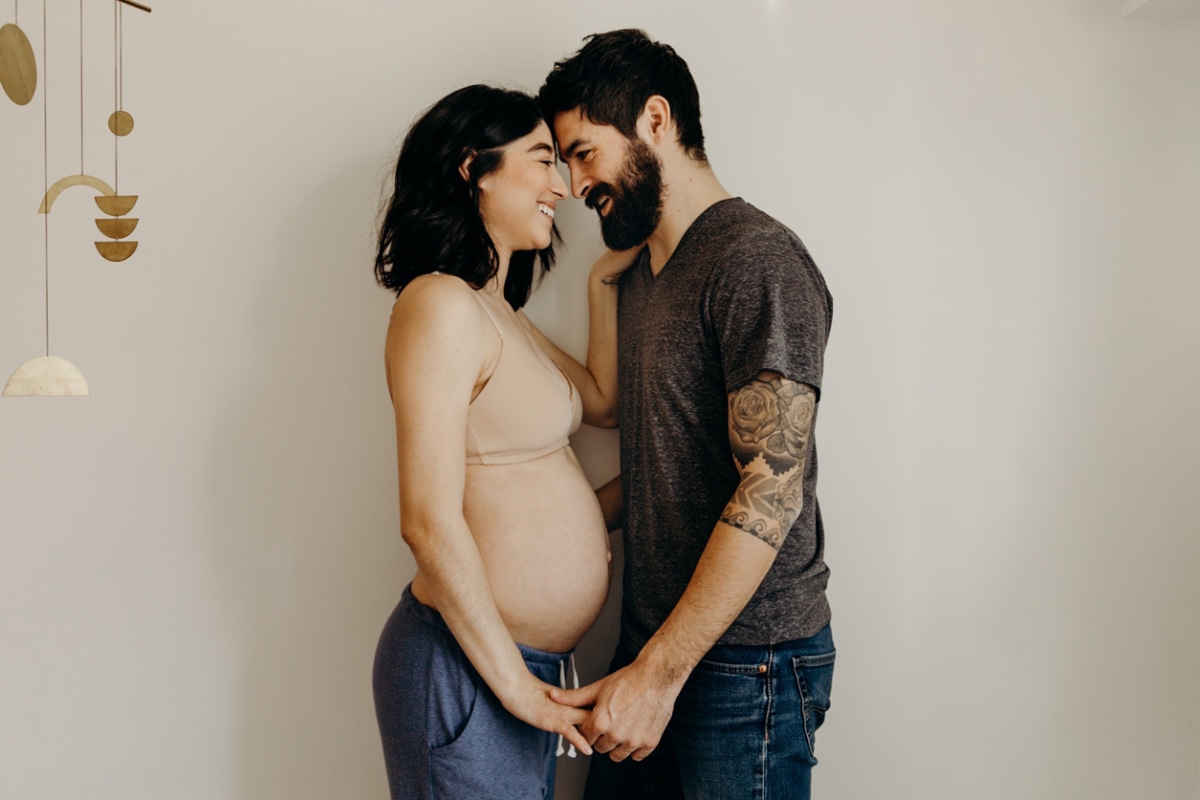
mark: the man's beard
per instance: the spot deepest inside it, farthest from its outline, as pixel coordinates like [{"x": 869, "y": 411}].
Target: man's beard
[{"x": 635, "y": 202}]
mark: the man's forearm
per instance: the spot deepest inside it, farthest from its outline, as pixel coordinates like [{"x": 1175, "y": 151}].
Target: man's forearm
[
  {"x": 612, "y": 503},
  {"x": 770, "y": 422},
  {"x": 728, "y": 574}
]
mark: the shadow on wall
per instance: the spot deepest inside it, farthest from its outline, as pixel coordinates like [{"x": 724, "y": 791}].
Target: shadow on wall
[{"x": 302, "y": 505}]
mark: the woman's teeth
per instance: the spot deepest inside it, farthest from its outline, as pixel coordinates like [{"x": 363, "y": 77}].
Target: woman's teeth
[{"x": 547, "y": 210}]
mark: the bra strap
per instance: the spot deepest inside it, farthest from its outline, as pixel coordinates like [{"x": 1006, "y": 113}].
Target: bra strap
[{"x": 488, "y": 311}]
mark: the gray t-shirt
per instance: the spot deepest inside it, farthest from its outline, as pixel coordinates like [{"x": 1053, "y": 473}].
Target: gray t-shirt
[{"x": 739, "y": 295}]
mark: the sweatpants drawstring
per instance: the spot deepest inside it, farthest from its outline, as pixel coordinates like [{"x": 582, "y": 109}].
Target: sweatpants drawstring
[{"x": 562, "y": 681}]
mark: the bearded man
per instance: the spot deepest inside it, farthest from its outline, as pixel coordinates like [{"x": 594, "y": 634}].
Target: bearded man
[{"x": 724, "y": 667}]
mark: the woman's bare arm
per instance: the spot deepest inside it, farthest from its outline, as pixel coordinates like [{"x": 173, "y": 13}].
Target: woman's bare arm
[{"x": 597, "y": 380}]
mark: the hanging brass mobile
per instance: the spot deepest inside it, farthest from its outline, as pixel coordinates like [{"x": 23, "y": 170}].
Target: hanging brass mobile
[{"x": 44, "y": 376}]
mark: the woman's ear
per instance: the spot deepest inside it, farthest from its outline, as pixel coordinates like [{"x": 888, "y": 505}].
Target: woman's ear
[{"x": 464, "y": 168}]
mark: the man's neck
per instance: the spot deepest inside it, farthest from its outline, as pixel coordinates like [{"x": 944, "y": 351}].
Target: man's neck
[{"x": 689, "y": 189}]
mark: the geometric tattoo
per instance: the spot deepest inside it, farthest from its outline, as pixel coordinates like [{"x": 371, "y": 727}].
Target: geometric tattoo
[{"x": 770, "y": 425}]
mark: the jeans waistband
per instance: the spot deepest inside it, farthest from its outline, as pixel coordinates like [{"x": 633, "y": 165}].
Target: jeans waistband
[{"x": 820, "y": 643}]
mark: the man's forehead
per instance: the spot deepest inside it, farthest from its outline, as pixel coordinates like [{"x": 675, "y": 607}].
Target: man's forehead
[
  {"x": 571, "y": 122},
  {"x": 574, "y": 128}
]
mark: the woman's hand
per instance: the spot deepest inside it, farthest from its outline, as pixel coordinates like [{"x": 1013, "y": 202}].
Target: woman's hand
[
  {"x": 531, "y": 703},
  {"x": 608, "y": 267}
]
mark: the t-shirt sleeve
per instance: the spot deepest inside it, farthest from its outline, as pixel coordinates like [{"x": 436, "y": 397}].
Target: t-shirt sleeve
[{"x": 770, "y": 310}]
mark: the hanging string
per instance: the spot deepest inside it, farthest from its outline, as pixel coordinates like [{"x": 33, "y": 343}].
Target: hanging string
[
  {"x": 121, "y": 59},
  {"x": 46, "y": 168},
  {"x": 118, "y": 79},
  {"x": 81, "y": 169}
]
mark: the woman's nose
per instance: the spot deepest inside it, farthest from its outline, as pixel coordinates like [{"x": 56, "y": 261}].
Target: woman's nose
[{"x": 557, "y": 185}]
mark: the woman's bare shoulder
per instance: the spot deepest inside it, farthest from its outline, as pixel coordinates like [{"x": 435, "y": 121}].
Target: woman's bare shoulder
[{"x": 434, "y": 302}]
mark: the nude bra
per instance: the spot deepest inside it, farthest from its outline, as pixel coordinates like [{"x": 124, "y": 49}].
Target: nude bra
[{"x": 528, "y": 407}]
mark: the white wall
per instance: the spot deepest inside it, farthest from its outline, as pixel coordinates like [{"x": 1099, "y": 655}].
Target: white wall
[{"x": 195, "y": 562}]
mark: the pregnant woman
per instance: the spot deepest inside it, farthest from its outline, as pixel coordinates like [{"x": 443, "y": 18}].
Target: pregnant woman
[{"x": 510, "y": 544}]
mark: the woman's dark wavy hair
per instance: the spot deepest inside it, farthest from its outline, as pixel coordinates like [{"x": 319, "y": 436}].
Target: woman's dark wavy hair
[
  {"x": 432, "y": 222},
  {"x": 614, "y": 74}
]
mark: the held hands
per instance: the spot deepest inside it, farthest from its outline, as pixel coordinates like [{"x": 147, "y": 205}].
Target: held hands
[
  {"x": 630, "y": 710},
  {"x": 532, "y": 703},
  {"x": 608, "y": 267}
]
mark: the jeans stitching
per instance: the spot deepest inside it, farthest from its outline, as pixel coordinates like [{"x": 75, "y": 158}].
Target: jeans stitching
[
  {"x": 822, "y": 660},
  {"x": 766, "y": 739},
  {"x": 799, "y": 663},
  {"x": 729, "y": 669}
]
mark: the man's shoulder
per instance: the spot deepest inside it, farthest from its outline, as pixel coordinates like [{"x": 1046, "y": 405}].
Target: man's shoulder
[{"x": 739, "y": 229}]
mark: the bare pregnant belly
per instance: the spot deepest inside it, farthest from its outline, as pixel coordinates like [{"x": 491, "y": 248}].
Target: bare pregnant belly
[{"x": 544, "y": 545}]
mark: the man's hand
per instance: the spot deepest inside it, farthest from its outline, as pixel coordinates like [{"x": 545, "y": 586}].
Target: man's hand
[{"x": 630, "y": 709}]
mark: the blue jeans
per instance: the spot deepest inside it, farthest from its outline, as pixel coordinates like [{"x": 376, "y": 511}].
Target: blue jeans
[{"x": 744, "y": 728}]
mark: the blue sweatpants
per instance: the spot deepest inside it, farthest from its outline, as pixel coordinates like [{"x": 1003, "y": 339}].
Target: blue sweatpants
[{"x": 445, "y": 734}]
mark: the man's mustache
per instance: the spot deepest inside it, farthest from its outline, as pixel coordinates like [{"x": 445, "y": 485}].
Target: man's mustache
[{"x": 599, "y": 193}]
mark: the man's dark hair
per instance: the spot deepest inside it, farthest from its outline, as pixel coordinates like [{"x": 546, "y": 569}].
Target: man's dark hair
[
  {"x": 432, "y": 222},
  {"x": 614, "y": 74}
]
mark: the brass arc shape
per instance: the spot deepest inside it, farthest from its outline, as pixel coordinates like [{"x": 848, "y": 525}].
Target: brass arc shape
[
  {"x": 18, "y": 67},
  {"x": 117, "y": 228},
  {"x": 66, "y": 183}
]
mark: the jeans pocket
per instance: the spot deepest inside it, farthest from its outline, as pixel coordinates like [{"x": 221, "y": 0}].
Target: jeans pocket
[{"x": 814, "y": 680}]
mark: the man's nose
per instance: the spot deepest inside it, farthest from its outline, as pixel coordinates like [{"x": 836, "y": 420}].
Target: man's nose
[{"x": 581, "y": 184}]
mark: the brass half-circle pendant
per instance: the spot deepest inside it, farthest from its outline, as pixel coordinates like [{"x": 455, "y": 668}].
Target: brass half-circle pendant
[
  {"x": 18, "y": 67},
  {"x": 116, "y": 251},
  {"x": 47, "y": 376},
  {"x": 117, "y": 228},
  {"x": 118, "y": 205}
]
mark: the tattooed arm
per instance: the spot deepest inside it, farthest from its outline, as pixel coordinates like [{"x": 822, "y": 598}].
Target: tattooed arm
[{"x": 770, "y": 424}]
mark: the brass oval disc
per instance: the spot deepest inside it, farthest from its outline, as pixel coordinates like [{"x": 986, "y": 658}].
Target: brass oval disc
[
  {"x": 117, "y": 228},
  {"x": 116, "y": 251},
  {"x": 118, "y": 205},
  {"x": 18, "y": 67},
  {"x": 121, "y": 123}
]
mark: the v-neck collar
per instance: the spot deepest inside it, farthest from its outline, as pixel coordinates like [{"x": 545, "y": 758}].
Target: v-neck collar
[{"x": 684, "y": 240}]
